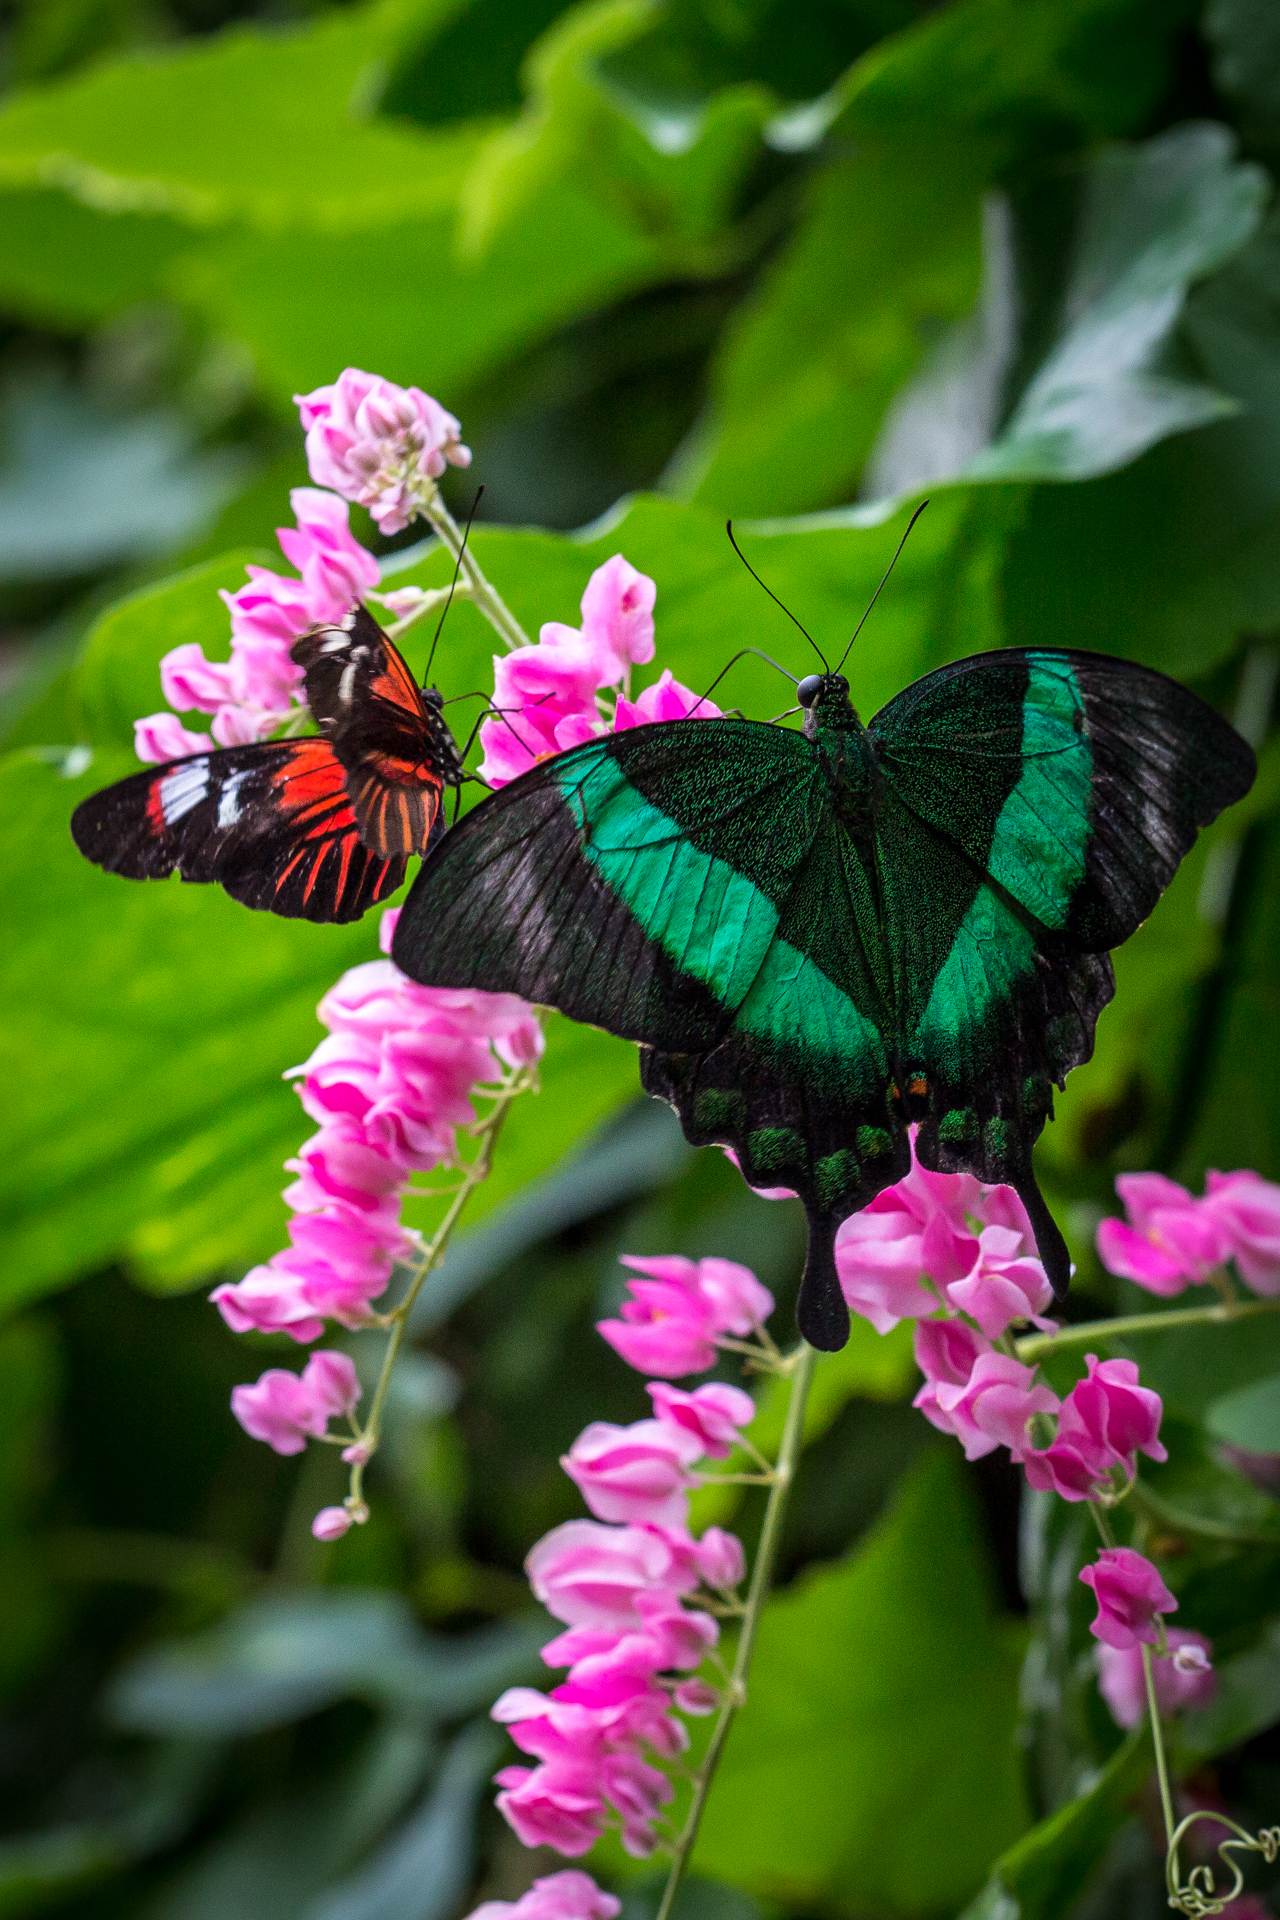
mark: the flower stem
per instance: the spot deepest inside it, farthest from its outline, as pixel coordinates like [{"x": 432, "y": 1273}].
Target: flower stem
[
  {"x": 482, "y": 590},
  {"x": 1157, "y": 1741},
  {"x": 1222, "y": 1313},
  {"x": 801, "y": 1370},
  {"x": 474, "y": 1175}
]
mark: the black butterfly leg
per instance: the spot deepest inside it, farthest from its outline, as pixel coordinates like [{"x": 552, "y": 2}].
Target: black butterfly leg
[
  {"x": 821, "y": 1314},
  {"x": 1050, "y": 1244}
]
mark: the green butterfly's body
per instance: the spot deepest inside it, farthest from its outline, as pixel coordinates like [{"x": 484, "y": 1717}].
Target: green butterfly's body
[{"x": 821, "y": 939}]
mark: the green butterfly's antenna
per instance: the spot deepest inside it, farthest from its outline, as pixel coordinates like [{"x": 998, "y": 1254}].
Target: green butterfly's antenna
[
  {"x": 453, "y": 584},
  {"x": 884, "y": 576},
  {"x": 728, "y": 527}
]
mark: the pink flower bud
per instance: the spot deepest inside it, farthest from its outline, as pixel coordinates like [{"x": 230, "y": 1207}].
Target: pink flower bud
[
  {"x": 720, "y": 1560},
  {"x": 1130, "y": 1595},
  {"x": 1111, "y": 1412},
  {"x": 331, "y": 1523},
  {"x": 617, "y": 617}
]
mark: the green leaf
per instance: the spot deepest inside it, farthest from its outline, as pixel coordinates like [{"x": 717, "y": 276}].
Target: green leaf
[
  {"x": 64, "y": 261},
  {"x": 1177, "y": 556},
  {"x": 432, "y": 315},
  {"x": 1249, "y": 1418},
  {"x": 1042, "y": 1873},
  {"x": 84, "y": 487},
  {"x": 671, "y": 180},
  {"x": 1094, "y": 383},
  {"x": 863, "y": 1743},
  {"x": 226, "y": 127},
  {"x": 886, "y": 252},
  {"x": 281, "y": 1658},
  {"x": 425, "y": 1866}
]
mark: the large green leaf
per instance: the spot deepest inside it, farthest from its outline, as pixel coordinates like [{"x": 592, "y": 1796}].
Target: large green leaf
[
  {"x": 264, "y": 125},
  {"x": 864, "y": 1776},
  {"x": 1069, "y": 373}
]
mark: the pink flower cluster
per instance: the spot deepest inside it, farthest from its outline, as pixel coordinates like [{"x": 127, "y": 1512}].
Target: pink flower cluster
[
  {"x": 259, "y": 687},
  {"x": 624, "y": 1584},
  {"x": 678, "y": 1311},
  {"x": 388, "y": 1088},
  {"x": 560, "y": 1896},
  {"x": 1171, "y": 1240},
  {"x": 382, "y": 446},
  {"x": 942, "y": 1238},
  {"x": 549, "y": 696}
]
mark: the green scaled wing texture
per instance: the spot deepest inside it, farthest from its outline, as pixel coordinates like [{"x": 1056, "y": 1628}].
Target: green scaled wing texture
[
  {"x": 821, "y": 941},
  {"x": 689, "y": 886},
  {"x": 1037, "y": 804}
]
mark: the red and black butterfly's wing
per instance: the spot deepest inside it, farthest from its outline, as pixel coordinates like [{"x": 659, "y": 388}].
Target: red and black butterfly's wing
[
  {"x": 273, "y": 823},
  {"x": 391, "y": 737}
]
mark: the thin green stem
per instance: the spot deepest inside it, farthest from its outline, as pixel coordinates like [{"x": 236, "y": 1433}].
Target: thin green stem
[
  {"x": 1222, "y": 1313},
  {"x": 801, "y": 1370},
  {"x": 475, "y": 1174},
  {"x": 483, "y": 592},
  {"x": 1157, "y": 1741}
]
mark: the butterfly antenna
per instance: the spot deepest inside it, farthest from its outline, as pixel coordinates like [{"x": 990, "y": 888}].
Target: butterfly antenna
[
  {"x": 741, "y": 654},
  {"x": 453, "y": 585},
  {"x": 728, "y": 527},
  {"x": 884, "y": 576}
]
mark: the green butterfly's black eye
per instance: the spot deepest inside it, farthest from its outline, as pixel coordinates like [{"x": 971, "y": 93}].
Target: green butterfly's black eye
[{"x": 809, "y": 688}]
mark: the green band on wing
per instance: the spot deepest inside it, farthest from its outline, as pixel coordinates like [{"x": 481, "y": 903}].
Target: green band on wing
[
  {"x": 1041, "y": 837},
  {"x": 712, "y": 922},
  {"x": 1038, "y": 850}
]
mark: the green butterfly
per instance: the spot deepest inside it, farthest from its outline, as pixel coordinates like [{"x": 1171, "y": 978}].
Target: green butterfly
[{"x": 823, "y": 938}]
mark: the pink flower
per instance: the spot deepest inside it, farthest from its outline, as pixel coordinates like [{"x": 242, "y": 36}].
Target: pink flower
[
  {"x": 336, "y": 570},
  {"x": 587, "y": 1574},
  {"x": 559, "y": 1896},
  {"x": 1170, "y": 1239},
  {"x": 913, "y": 1232},
  {"x": 1130, "y": 1596},
  {"x": 683, "y": 1636},
  {"x": 617, "y": 617},
  {"x": 1005, "y": 1284},
  {"x": 192, "y": 683},
  {"x": 1184, "y": 1677},
  {"x": 1246, "y": 1209},
  {"x": 719, "y": 1559},
  {"x": 666, "y": 699},
  {"x": 677, "y": 1310},
  {"x": 1110, "y": 1410},
  {"x": 286, "y": 1409},
  {"x": 946, "y": 1353},
  {"x": 331, "y": 1523},
  {"x": 268, "y": 614},
  {"x": 636, "y": 1473},
  {"x": 162, "y": 736},
  {"x": 269, "y": 1299},
  {"x": 380, "y": 445},
  {"x": 637, "y": 1792},
  {"x": 711, "y": 1414},
  {"x": 1070, "y": 1467},
  {"x": 993, "y": 1406},
  {"x": 557, "y": 1804}
]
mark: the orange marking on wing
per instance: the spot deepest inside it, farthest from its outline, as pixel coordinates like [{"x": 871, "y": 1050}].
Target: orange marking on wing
[
  {"x": 349, "y": 845},
  {"x": 284, "y": 875},
  {"x": 918, "y": 1086},
  {"x": 314, "y": 875}
]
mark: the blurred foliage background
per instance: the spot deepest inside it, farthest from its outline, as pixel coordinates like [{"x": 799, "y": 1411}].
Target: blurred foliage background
[{"x": 798, "y": 263}]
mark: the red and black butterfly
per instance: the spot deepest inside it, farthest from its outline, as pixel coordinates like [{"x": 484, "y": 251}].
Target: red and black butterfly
[{"x": 316, "y": 829}]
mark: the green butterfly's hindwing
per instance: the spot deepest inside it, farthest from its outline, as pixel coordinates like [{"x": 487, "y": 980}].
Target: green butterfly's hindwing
[{"x": 820, "y": 939}]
